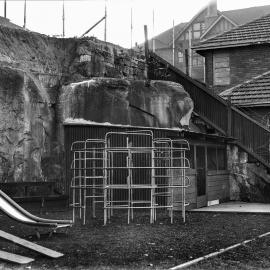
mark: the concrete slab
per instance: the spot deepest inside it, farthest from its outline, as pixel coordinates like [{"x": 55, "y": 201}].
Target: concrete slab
[{"x": 236, "y": 207}]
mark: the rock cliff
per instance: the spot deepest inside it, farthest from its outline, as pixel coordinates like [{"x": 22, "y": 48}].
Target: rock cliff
[{"x": 35, "y": 69}]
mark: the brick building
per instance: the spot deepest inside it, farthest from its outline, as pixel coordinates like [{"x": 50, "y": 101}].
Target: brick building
[
  {"x": 237, "y": 66},
  {"x": 205, "y": 24}
]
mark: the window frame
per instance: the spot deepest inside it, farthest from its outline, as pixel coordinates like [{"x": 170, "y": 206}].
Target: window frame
[{"x": 221, "y": 64}]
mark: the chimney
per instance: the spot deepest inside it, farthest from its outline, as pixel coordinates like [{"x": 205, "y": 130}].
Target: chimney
[{"x": 211, "y": 13}]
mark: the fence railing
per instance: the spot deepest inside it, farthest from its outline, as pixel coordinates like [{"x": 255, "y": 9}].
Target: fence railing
[{"x": 250, "y": 135}]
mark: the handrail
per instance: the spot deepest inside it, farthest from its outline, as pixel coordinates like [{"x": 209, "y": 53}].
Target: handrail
[{"x": 252, "y": 136}]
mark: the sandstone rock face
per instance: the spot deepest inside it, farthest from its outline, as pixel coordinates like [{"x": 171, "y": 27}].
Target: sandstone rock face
[
  {"x": 25, "y": 125},
  {"x": 127, "y": 102},
  {"x": 33, "y": 67},
  {"x": 248, "y": 182}
]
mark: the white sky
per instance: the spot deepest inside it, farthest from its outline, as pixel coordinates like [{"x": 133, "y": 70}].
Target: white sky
[{"x": 46, "y": 16}]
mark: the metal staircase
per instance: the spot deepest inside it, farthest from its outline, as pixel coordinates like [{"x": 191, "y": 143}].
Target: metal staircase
[{"x": 249, "y": 134}]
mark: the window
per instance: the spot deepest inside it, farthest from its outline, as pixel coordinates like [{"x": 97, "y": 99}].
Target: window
[
  {"x": 202, "y": 27},
  {"x": 221, "y": 63},
  {"x": 212, "y": 158},
  {"x": 198, "y": 29},
  {"x": 197, "y": 60},
  {"x": 190, "y": 156},
  {"x": 196, "y": 34},
  {"x": 221, "y": 158},
  {"x": 180, "y": 57},
  {"x": 216, "y": 158}
]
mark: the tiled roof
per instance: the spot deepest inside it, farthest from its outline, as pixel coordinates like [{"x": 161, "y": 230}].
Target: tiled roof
[
  {"x": 257, "y": 31},
  {"x": 253, "y": 92},
  {"x": 245, "y": 15}
]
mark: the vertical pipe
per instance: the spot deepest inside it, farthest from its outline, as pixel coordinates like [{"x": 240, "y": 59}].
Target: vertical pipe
[
  {"x": 105, "y": 181},
  {"x": 190, "y": 53},
  {"x": 63, "y": 18},
  {"x": 74, "y": 190},
  {"x": 146, "y": 51},
  {"x": 131, "y": 28},
  {"x": 187, "y": 61},
  {"x": 84, "y": 184},
  {"x": 105, "y": 22},
  {"x": 80, "y": 183},
  {"x": 5, "y": 8},
  {"x": 173, "y": 45},
  {"x": 24, "y": 19},
  {"x": 154, "y": 41},
  {"x": 94, "y": 184},
  {"x": 128, "y": 178},
  {"x": 171, "y": 178}
]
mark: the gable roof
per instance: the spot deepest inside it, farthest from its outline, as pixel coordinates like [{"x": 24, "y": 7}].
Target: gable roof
[
  {"x": 222, "y": 16},
  {"x": 254, "y": 32},
  {"x": 165, "y": 38},
  {"x": 255, "y": 92},
  {"x": 187, "y": 25},
  {"x": 245, "y": 15}
]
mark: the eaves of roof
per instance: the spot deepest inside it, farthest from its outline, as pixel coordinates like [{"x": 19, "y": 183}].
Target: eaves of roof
[{"x": 229, "y": 45}]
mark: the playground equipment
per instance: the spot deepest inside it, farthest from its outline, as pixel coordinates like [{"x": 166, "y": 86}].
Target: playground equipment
[
  {"x": 15, "y": 258},
  {"x": 16, "y": 212},
  {"x": 129, "y": 170}
]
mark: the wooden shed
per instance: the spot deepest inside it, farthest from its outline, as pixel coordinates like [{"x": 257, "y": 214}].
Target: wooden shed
[{"x": 208, "y": 158}]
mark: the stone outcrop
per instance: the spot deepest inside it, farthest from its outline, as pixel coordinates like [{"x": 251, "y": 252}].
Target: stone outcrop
[
  {"x": 25, "y": 127},
  {"x": 127, "y": 102},
  {"x": 249, "y": 182},
  {"x": 33, "y": 69}
]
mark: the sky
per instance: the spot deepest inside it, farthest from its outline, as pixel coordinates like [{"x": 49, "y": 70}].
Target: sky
[{"x": 46, "y": 16}]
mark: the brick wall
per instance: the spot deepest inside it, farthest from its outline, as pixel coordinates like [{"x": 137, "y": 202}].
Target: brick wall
[{"x": 245, "y": 63}]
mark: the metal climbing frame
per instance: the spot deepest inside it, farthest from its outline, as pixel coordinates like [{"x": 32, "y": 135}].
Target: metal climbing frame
[
  {"x": 88, "y": 176},
  {"x": 130, "y": 171}
]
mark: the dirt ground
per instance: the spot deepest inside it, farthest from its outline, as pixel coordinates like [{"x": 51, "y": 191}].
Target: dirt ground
[{"x": 141, "y": 245}]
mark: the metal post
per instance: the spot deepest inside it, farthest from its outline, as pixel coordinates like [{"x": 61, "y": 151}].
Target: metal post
[
  {"x": 229, "y": 117},
  {"x": 24, "y": 21},
  {"x": 146, "y": 51},
  {"x": 63, "y": 18},
  {"x": 105, "y": 23},
  {"x": 187, "y": 61},
  {"x": 131, "y": 28},
  {"x": 173, "y": 45},
  {"x": 5, "y": 8},
  {"x": 154, "y": 41},
  {"x": 190, "y": 53}
]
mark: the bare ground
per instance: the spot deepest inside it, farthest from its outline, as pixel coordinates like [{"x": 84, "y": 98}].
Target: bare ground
[{"x": 141, "y": 245}]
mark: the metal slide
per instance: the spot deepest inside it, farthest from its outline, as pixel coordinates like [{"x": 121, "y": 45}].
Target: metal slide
[{"x": 16, "y": 212}]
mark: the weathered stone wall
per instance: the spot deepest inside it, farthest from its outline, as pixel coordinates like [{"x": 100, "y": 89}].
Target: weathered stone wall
[
  {"x": 33, "y": 67},
  {"x": 127, "y": 102},
  {"x": 248, "y": 181},
  {"x": 25, "y": 127}
]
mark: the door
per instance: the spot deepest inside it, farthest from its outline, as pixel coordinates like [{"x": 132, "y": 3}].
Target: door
[{"x": 201, "y": 176}]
